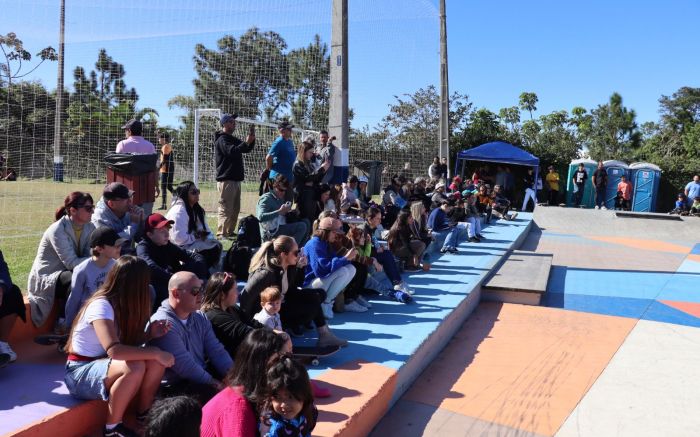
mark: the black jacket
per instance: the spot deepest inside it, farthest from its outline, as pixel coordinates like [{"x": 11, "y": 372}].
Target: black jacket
[
  {"x": 229, "y": 152},
  {"x": 168, "y": 259},
  {"x": 231, "y": 326},
  {"x": 261, "y": 279}
]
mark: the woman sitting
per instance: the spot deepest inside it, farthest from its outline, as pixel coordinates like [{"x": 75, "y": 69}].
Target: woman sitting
[
  {"x": 326, "y": 269},
  {"x": 230, "y": 323},
  {"x": 349, "y": 201},
  {"x": 64, "y": 245},
  {"x": 234, "y": 411},
  {"x": 306, "y": 180},
  {"x": 106, "y": 357},
  {"x": 404, "y": 244},
  {"x": 381, "y": 253},
  {"x": 190, "y": 230},
  {"x": 278, "y": 263},
  {"x": 323, "y": 201}
]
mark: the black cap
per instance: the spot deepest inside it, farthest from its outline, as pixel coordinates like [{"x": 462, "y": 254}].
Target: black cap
[
  {"x": 104, "y": 236},
  {"x": 285, "y": 125},
  {"x": 133, "y": 123},
  {"x": 116, "y": 190},
  {"x": 227, "y": 117}
]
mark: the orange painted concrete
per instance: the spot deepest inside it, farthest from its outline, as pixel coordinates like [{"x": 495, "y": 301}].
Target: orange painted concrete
[
  {"x": 687, "y": 307},
  {"x": 361, "y": 395},
  {"x": 660, "y": 246},
  {"x": 521, "y": 366},
  {"x": 693, "y": 257},
  {"x": 22, "y": 331},
  {"x": 84, "y": 419}
]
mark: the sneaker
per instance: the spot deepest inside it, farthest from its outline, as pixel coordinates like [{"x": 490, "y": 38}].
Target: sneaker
[
  {"x": 603, "y": 208},
  {"x": 597, "y": 207},
  {"x": 443, "y": 250},
  {"x": 473, "y": 240},
  {"x": 119, "y": 431},
  {"x": 453, "y": 250},
  {"x": 362, "y": 301},
  {"x": 330, "y": 339},
  {"x": 513, "y": 216},
  {"x": 6, "y": 349},
  {"x": 327, "y": 309},
  {"x": 400, "y": 296},
  {"x": 402, "y": 286},
  {"x": 354, "y": 307}
]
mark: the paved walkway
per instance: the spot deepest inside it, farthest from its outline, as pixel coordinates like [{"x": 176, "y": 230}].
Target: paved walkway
[{"x": 613, "y": 351}]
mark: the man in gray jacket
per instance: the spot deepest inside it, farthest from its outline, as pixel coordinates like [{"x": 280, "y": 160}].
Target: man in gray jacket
[
  {"x": 191, "y": 340},
  {"x": 115, "y": 210}
]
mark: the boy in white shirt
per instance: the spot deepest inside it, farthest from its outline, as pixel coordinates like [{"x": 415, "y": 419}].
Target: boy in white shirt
[
  {"x": 88, "y": 276},
  {"x": 271, "y": 302}
]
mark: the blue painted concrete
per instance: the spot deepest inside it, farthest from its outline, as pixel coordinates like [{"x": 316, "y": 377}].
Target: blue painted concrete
[
  {"x": 611, "y": 283},
  {"x": 391, "y": 332}
]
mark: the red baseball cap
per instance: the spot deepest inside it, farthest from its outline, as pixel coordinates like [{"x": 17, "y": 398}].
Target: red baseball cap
[{"x": 157, "y": 221}]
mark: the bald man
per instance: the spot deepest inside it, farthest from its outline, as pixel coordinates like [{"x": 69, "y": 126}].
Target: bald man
[{"x": 191, "y": 341}]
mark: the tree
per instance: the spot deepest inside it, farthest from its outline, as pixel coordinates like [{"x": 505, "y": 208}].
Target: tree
[
  {"x": 528, "y": 102},
  {"x": 610, "y": 130},
  {"x": 14, "y": 52},
  {"x": 309, "y": 80}
]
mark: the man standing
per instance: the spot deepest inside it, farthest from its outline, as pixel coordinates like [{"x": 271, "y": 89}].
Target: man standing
[
  {"x": 280, "y": 159},
  {"x": 201, "y": 361},
  {"x": 116, "y": 211},
  {"x": 579, "y": 180},
  {"x": 692, "y": 190},
  {"x": 443, "y": 168},
  {"x": 230, "y": 173},
  {"x": 600, "y": 182},
  {"x": 553, "y": 184},
  {"x": 136, "y": 144},
  {"x": 326, "y": 152}
]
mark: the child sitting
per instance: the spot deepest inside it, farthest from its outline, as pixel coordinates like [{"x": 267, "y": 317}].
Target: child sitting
[
  {"x": 695, "y": 207},
  {"x": 619, "y": 201},
  {"x": 105, "y": 245},
  {"x": 289, "y": 409},
  {"x": 271, "y": 302},
  {"x": 681, "y": 206}
]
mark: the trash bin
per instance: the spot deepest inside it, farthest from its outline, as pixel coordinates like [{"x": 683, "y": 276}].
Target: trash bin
[
  {"x": 615, "y": 170},
  {"x": 373, "y": 171},
  {"x": 645, "y": 178},
  {"x": 58, "y": 168},
  {"x": 588, "y": 199}
]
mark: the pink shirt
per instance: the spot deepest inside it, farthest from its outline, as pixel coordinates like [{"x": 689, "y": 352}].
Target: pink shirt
[
  {"x": 626, "y": 189},
  {"x": 135, "y": 144},
  {"x": 228, "y": 414}
]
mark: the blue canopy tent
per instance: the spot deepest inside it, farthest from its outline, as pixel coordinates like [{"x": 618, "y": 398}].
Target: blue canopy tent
[{"x": 497, "y": 151}]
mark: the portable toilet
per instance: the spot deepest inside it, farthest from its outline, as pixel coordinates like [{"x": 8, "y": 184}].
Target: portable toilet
[
  {"x": 588, "y": 194},
  {"x": 645, "y": 178},
  {"x": 615, "y": 171}
]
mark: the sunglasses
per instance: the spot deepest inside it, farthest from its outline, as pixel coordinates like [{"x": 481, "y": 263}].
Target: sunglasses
[
  {"x": 88, "y": 208},
  {"x": 194, "y": 192},
  {"x": 295, "y": 252},
  {"x": 194, "y": 291}
]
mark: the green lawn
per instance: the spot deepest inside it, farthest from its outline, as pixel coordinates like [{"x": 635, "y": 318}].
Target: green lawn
[{"x": 27, "y": 208}]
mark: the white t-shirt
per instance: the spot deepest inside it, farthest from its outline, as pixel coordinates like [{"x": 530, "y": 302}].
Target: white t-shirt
[{"x": 85, "y": 341}]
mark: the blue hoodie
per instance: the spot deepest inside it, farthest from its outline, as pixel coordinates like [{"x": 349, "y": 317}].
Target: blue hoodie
[
  {"x": 322, "y": 260},
  {"x": 191, "y": 344}
]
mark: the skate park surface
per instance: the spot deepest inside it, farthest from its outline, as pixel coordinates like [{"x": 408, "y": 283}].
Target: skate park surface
[{"x": 612, "y": 350}]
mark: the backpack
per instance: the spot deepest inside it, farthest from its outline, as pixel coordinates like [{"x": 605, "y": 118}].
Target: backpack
[
  {"x": 237, "y": 261},
  {"x": 249, "y": 233}
]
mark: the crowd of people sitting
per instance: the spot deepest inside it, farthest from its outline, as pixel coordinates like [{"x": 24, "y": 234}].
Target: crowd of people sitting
[{"x": 146, "y": 311}]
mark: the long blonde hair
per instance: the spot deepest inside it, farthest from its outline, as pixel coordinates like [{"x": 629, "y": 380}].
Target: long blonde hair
[
  {"x": 417, "y": 209},
  {"x": 269, "y": 253},
  {"x": 126, "y": 289}
]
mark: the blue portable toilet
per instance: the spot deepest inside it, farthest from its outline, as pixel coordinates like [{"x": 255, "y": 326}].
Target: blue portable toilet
[
  {"x": 645, "y": 178},
  {"x": 615, "y": 171},
  {"x": 588, "y": 199}
]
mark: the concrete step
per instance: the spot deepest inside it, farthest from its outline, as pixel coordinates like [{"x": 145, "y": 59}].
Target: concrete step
[{"x": 522, "y": 278}]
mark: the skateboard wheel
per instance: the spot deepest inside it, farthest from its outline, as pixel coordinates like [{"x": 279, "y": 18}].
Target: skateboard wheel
[{"x": 315, "y": 362}]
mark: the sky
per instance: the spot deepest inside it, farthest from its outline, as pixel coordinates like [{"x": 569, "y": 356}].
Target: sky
[{"x": 568, "y": 53}]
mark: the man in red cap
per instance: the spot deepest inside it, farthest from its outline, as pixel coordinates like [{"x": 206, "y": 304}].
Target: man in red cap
[{"x": 165, "y": 258}]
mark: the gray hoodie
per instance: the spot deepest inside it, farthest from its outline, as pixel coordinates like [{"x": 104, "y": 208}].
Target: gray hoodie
[{"x": 191, "y": 344}]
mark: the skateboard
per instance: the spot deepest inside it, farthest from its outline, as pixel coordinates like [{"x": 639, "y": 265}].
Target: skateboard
[{"x": 313, "y": 353}]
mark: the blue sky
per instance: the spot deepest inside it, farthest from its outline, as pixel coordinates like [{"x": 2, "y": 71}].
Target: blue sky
[{"x": 569, "y": 53}]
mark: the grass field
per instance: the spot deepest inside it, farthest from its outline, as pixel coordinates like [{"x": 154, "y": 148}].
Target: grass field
[{"x": 27, "y": 208}]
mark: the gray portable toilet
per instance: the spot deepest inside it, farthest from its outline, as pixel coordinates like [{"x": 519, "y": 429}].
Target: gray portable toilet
[
  {"x": 645, "y": 178},
  {"x": 588, "y": 193},
  {"x": 615, "y": 171}
]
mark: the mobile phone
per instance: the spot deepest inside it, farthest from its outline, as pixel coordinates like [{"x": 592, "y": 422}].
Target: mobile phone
[
  {"x": 288, "y": 204},
  {"x": 251, "y": 130}
]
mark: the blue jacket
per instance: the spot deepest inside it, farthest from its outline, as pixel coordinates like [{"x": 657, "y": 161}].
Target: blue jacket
[
  {"x": 322, "y": 260},
  {"x": 191, "y": 345},
  {"x": 437, "y": 221}
]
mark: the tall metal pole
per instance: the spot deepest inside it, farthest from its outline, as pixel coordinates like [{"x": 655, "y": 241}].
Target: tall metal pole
[
  {"x": 444, "y": 90},
  {"x": 338, "y": 111},
  {"x": 57, "y": 158}
]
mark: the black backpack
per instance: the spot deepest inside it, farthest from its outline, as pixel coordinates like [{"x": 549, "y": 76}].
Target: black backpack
[
  {"x": 249, "y": 233},
  {"x": 238, "y": 261}
]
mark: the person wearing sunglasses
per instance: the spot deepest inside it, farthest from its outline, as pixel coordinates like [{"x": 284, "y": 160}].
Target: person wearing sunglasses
[
  {"x": 275, "y": 214},
  {"x": 64, "y": 245},
  {"x": 201, "y": 361}
]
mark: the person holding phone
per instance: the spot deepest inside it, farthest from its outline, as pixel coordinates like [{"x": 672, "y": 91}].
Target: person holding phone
[{"x": 230, "y": 172}]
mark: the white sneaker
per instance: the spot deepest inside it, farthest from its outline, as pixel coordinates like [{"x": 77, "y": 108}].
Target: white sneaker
[
  {"x": 354, "y": 307},
  {"x": 597, "y": 207},
  {"x": 362, "y": 301},
  {"x": 405, "y": 288},
  {"x": 327, "y": 309},
  {"x": 603, "y": 208},
  {"x": 6, "y": 349}
]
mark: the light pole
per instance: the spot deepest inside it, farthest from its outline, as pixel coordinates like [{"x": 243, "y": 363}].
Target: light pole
[
  {"x": 57, "y": 158},
  {"x": 444, "y": 91}
]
